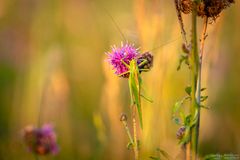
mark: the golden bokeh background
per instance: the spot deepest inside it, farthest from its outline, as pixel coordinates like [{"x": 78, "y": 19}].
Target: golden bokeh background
[{"x": 52, "y": 55}]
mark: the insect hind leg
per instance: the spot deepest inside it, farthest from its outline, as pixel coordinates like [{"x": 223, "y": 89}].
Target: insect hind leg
[{"x": 143, "y": 63}]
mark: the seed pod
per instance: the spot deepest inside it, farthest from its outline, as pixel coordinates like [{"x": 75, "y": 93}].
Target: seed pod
[
  {"x": 145, "y": 61},
  {"x": 201, "y": 9},
  {"x": 123, "y": 117}
]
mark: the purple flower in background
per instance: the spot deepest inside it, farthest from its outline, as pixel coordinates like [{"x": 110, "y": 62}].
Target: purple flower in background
[
  {"x": 41, "y": 141},
  {"x": 118, "y": 55}
]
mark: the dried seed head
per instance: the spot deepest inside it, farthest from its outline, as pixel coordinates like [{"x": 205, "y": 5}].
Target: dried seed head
[
  {"x": 209, "y": 8},
  {"x": 186, "y": 6},
  {"x": 123, "y": 117},
  {"x": 181, "y": 132},
  {"x": 145, "y": 61},
  {"x": 212, "y": 8},
  {"x": 201, "y": 9}
]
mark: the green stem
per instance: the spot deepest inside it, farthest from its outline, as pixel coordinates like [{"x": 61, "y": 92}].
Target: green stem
[
  {"x": 195, "y": 108},
  {"x": 36, "y": 157},
  {"x": 135, "y": 144},
  {"x": 128, "y": 132}
]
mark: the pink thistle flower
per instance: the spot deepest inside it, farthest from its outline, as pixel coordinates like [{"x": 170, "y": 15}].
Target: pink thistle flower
[
  {"x": 118, "y": 55},
  {"x": 41, "y": 141}
]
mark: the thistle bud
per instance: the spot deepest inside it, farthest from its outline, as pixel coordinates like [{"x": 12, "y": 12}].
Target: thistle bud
[
  {"x": 145, "y": 61},
  {"x": 181, "y": 132}
]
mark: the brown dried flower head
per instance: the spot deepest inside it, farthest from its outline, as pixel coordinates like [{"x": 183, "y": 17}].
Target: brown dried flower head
[
  {"x": 208, "y": 8},
  {"x": 212, "y": 8},
  {"x": 148, "y": 58}
]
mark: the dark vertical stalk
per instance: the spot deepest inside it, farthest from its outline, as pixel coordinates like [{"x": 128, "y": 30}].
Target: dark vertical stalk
[
  {"x": 194, "y": 61},
  {"x": 203, "y": 37}
]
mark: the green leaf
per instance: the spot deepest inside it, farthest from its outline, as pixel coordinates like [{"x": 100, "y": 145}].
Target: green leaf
[
  {"x": 213, "y": 157},
  {"x": 147, "y": 99},
  {"x": 202, "y": 106},
  {"x": 182, "y": 116},
  {"x": 164, "y": 153},
  {"x": 129, "y": 145},
  {"x": 221, "y": 157},
  {"x": 155, "y": 158},
  {"x": 177, "y": 121},
  {"x": 176, "y": 106},
  {"x": 183, "y": 58},
  {"x": 187, "y": 120},
  {"x": 188, "y": 90},
  {"x": 195, "y": 119},
  {"x": 203, "y": 98}
]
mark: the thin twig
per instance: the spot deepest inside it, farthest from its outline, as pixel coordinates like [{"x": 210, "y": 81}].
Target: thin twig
[
  {"x": 204, "y": 36},
  {"x": 128, "y": 132},
  {"x": 180, "y": 20},
  {"x": 184, "y": 36}
]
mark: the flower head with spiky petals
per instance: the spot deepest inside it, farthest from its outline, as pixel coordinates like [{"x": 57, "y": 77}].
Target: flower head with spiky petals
[
  {"x": 41, "y": 141},
  {"x": 120, "y": 55}
]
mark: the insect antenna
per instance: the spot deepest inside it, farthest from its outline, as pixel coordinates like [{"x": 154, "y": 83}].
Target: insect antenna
[
  {"x": 115, "y": 24},
  {"x": 162, "y": 45}
]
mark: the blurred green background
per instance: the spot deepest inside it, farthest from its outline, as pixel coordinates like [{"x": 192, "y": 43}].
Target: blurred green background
[{"x": 52, "y": 55}]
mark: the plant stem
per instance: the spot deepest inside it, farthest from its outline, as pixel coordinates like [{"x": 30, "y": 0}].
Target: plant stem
[
  {"x": 36, "y": 157},
  {"x": 188, "y": 152},
  {"x": 128, "y": 132},
  {"x": 203, "y": 37},
  {"x": 135, "y": 144},
  {"x": 194, "y": 61}
]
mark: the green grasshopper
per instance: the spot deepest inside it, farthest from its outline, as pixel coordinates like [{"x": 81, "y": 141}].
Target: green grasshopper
[
  {"x": 135, "y": 84},
  {"x": 134, "y": 80}
]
